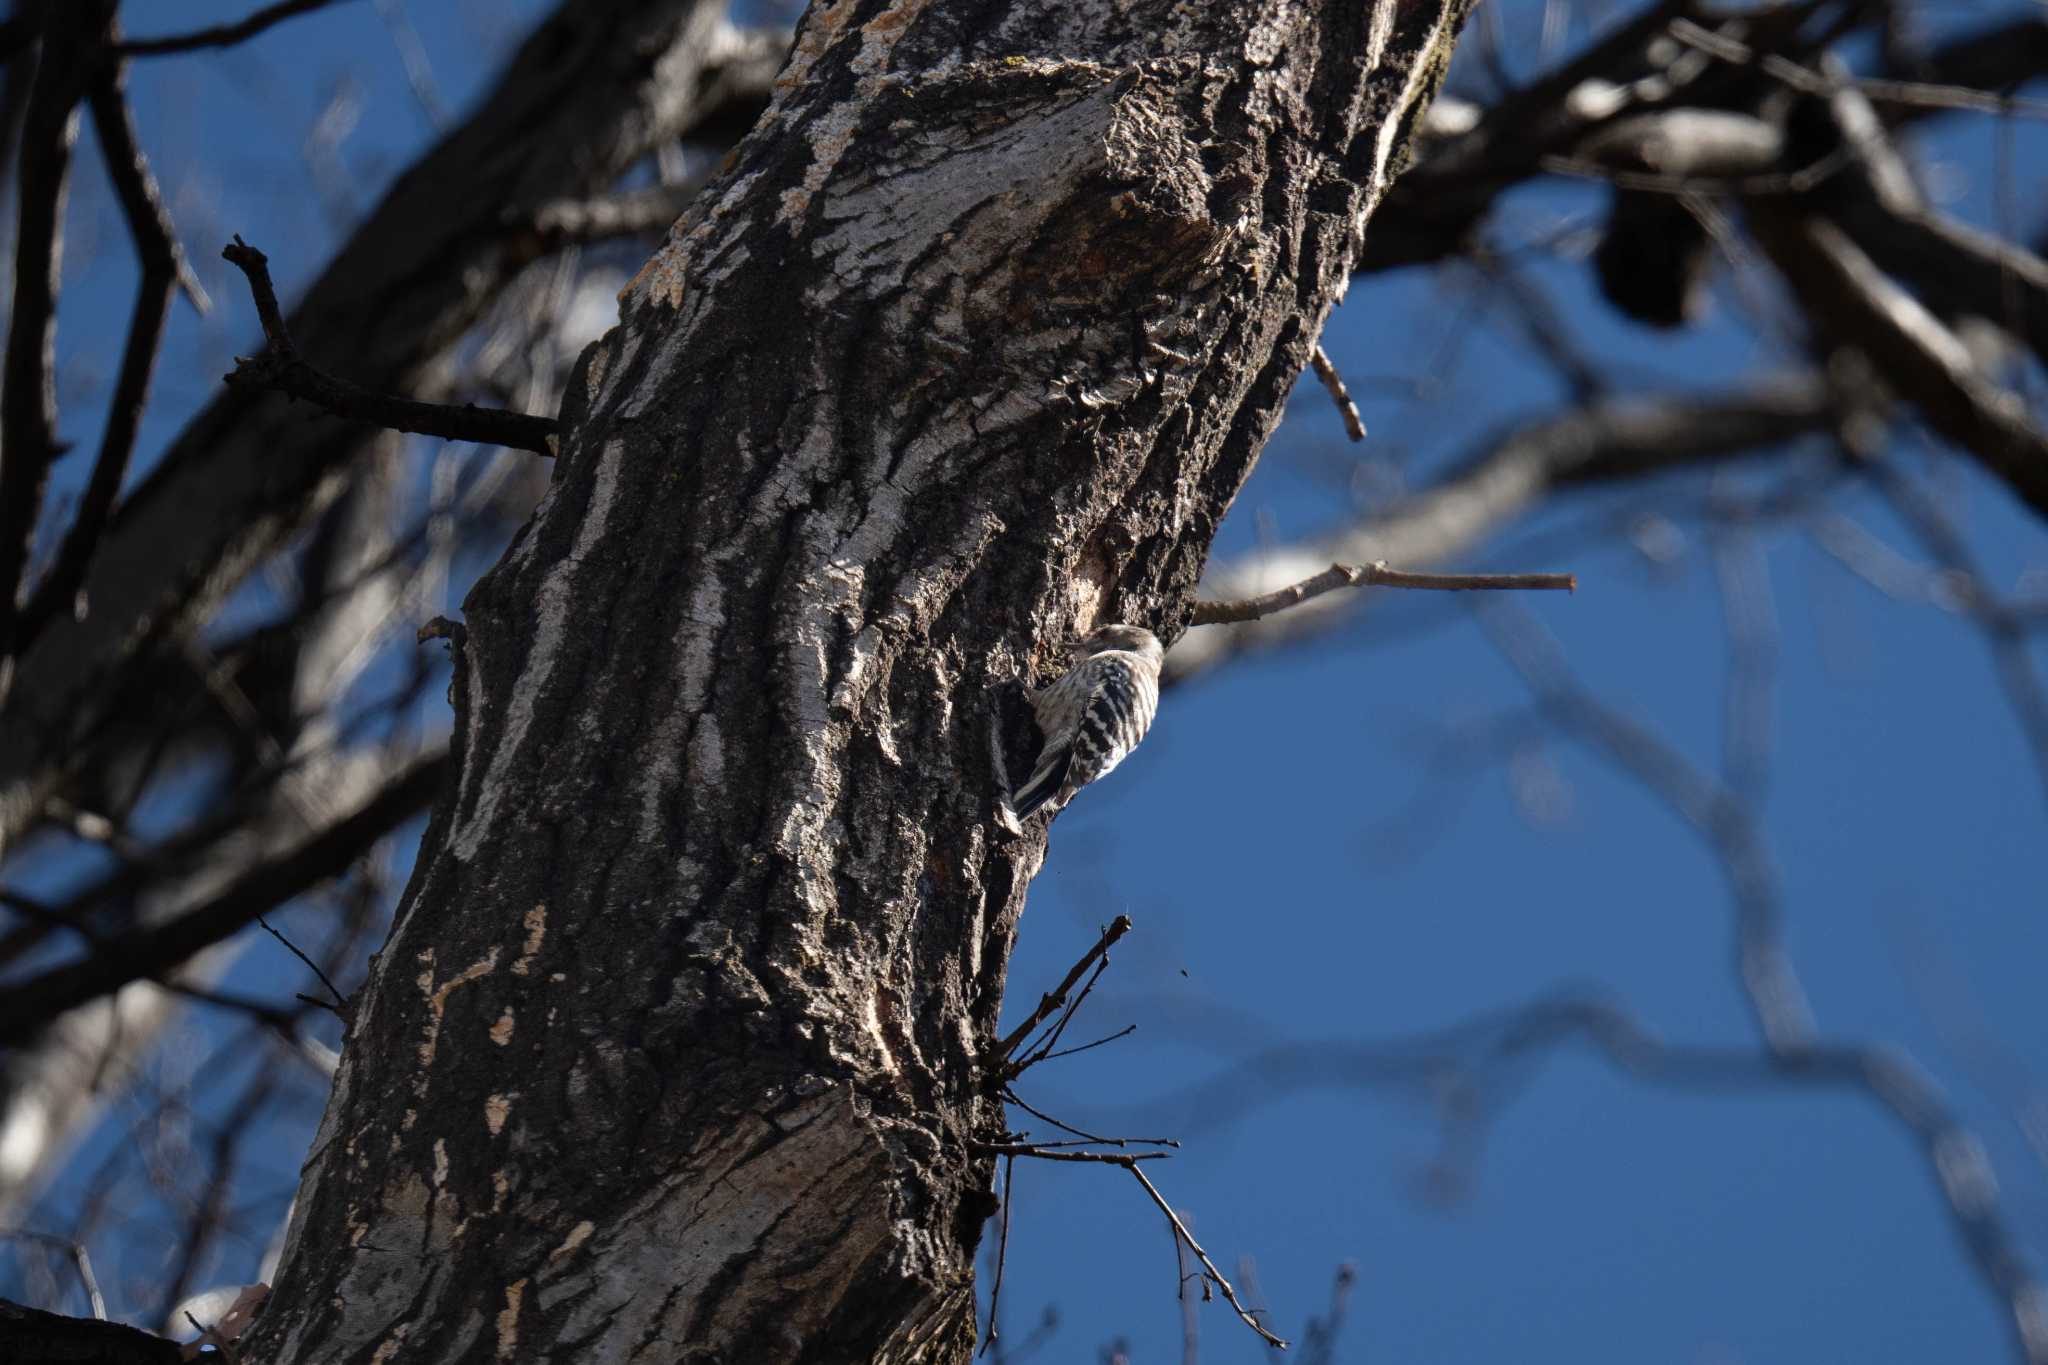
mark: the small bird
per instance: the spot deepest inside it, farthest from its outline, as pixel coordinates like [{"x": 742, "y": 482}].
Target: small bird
[{"x": 1094, "y": 715}]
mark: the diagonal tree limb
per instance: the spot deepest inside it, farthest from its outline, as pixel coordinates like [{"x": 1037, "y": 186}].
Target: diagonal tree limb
[
  {"x": 164, "y": 269},
  {"x": 1959, "y": 269},
  {"x": 53, "y": 1089},
  {"x": 145, "y": 953},
  {"x": 625, "y": 214},
  {"x": 1856, "y": 305},
  {"x": 221, "y": 35},
  {"x": 28, "y": 393}
]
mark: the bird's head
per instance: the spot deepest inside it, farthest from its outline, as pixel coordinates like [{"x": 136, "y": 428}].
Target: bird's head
[{"x": 1132, "y": 639}]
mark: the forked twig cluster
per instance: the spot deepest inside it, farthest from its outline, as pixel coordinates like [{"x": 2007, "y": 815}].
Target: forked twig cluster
[{"x": 1014, "y": 1057}]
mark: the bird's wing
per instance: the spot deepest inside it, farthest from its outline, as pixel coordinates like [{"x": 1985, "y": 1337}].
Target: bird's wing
[
  {"x": 1112, "y": 722},
  {"x": 1093, "y": 720}
]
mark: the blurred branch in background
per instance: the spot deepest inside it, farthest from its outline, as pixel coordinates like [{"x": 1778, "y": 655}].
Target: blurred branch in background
[{"x": 122, "y": 679}]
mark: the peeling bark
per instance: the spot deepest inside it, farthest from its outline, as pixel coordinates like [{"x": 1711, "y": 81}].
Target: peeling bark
[{"x": 672, "y": 1053}]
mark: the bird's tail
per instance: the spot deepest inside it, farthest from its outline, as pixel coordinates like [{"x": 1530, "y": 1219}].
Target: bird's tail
[{"x": 1045, "y": 782}]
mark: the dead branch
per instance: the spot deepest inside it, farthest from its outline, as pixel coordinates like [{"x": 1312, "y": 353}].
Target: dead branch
[
  {"x": 1376, "y": 575},
  {"x": 1209, "y": 1269},
  {"x": 1131, "y": 1161},
  {"x": 1921, "y": 95},
  {"x": 164, "y": 268},
  {"x": 28, "y": 392},
  {"x": 1118, "y": 927},
  {"x": 143, "y": 953},
  {"x": 81, "y": 1262},
  {"x": 1354, "y": 426},
  {"x": 340, "y": 1005},
  {"x": 995, "y": 1293},
  {"x": 1508, "y": 474},
  {"x": 221, "y": 35},
  {"x": 626, "y": 214},
  {"x": 1858, "y": 306},
  {"x": 283, "y": 369}
]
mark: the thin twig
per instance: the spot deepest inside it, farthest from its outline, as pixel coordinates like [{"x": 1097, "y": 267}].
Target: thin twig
[
  {"x": 1123, "y": 1032},
  {"x": 1376, "y": 575},
  {"x": 149, "y": 952},
  {"x": 1042, "y": 1049},
  {"x": 142, "y": 200},
  {"x": 595, "y": 219},
  {"x": 80, "y": 1262},
  {"x": 1208, "y": 1266},
  {"x": 285, "y": 370},
  {"x": 995, "y": 1293},
  {"x": 311, "y": 965},
  {"x": 221, "y": 35},
  {"x": 1772, "y": 183},
  {"x": 1912, "y": 94},
  {"x": 1082, "y": 1134},
  {"x": 1354, "y": 426},
  {"x": 1130, "y": 1162},
  {"x": 1118, "y": 927},
  {"x": 207, "y": 1337},
  {"x": 1039, "y": 1153}
]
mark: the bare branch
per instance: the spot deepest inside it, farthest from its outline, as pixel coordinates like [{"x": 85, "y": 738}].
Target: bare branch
[
  {"x": 28, "y": 393},
  {"x": 1216, "y": 1278},
  {"x": 1354, "y": 426},
  {"x": 1042, "y": 1153},
  {"x": 626, "y": 214},
  {"x": 1510, "y": 473},
  {"x": 80, "y": 1262},
  {"x": 1953, "y": 1155},
  {"x": 1917, "y": 94},
  {"x": 1131, "y": 1161},
  {"x": 1118, "y": 927},
  {"x": 340, "y": 1000},
  {"x": 1375, "y": 575},
  {"x": 221, "y": 35},
  {"x": 571, "y": 110},
  {"x": 1956, "y": 267},
  {"x": 144, "y": 953},
  {"x": 1860, "y": 307},
  {"x": 995, "y": 1293},
  {"x": 164, "y": 268},
  {"x": 283, "y": 369}
]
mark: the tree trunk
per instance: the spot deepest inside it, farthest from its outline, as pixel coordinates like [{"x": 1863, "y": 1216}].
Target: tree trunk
[{"x": 674, "y": 1049}]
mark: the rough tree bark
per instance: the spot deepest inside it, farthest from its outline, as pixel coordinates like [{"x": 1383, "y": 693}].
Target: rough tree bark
[{"x": 673, "y": 1050}]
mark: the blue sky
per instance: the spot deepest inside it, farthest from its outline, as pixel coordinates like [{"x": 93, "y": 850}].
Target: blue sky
[{"x": 1301, "y": 875}]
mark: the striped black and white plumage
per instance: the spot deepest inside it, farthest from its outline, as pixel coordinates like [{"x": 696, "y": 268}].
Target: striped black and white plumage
[{"x": 1094, "y": 716}]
